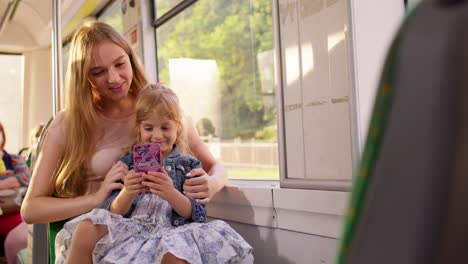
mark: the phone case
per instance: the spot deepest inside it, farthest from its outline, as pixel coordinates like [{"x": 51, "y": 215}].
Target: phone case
[{"x": 147, "y": 157}]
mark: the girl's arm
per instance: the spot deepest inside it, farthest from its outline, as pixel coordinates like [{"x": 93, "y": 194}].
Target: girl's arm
[
  {"x": 122, "y": 203},
  {"x": 132, "y": 186},
  {"x": 181, "y": 204},
  {"x": 40, "y": 207},
  {"x": 198, "y": 185},
  {"x": 161, "y": 184}
]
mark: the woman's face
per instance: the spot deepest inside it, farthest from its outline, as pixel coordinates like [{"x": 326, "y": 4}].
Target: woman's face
[{"x": 110, "y": 72}]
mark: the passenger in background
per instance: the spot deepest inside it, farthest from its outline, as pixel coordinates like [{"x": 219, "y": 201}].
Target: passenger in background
[
  {"x": 164, "y": 225},
  {"x": 85, "y": 140},
  {"x": 13, "y": 170},
  {"x": 17, "y": 238},
  {"x": 14, "y": 174}
]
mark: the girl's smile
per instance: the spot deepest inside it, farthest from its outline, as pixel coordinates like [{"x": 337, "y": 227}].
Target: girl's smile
[{"x": 157, "y": 129}]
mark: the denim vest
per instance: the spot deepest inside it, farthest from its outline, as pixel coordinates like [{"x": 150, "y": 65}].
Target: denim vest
[{"x": 176, "y": 166}]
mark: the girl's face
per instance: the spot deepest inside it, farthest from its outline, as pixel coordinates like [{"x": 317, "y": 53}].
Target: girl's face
[
  {"x": 160, "y": 130},
  {"x": 110, "y": 72}
]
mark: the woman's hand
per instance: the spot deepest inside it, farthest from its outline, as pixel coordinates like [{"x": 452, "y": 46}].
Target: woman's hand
[
  {"x": 160, "y": 184},
  {"x": 118, "y": 171},
  {"x": 132, "y": 183},
  {"x": 199, "y": 185}
]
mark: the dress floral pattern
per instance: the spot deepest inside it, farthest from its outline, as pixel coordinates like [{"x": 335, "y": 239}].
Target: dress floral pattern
[{"x": 144, "y": 238}]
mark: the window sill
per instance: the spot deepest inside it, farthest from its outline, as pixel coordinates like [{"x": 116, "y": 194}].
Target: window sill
[{"x": 263, "y": 203}]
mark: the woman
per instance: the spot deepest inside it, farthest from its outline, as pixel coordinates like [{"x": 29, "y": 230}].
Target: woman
[
  {"x": 13, "y": 174},
  {"x": 84, "y": 141}
]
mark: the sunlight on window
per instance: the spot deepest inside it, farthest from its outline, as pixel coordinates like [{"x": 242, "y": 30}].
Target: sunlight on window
[
  {"x": 11, "y": 99},
  {"x": 335, "y": 38},
  {"x": 307, "y": 58},
  {"x": 292, "y": 60},
  {"x": 196, "y": 84}
]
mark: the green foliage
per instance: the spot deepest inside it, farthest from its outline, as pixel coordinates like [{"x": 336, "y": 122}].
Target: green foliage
[
  {"x": 232, "y": 33},
  {"x": 205, "y": 127},
  {"x": 269, "y": 133}
]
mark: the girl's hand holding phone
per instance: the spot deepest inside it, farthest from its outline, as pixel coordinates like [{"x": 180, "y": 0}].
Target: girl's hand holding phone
[
  {"x": 159, "y": 183},
  {"x": 132, "y": 183}
]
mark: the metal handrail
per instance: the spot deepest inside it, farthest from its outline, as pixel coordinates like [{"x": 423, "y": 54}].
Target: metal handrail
[
  {"x": 40, "y": 250},
  {"x": 56, "y": 54},
  {"x": 6, "y": 14}
]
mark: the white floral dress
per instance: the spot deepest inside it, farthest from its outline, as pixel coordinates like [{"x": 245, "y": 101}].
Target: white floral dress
[{"x": 144, "y": 238}]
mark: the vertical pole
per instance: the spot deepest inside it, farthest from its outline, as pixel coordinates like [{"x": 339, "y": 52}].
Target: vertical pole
[
  {"x": 6, "y": 14},
  {"x": 40, "y": 248},
  {"x": 56, "y": 55}
]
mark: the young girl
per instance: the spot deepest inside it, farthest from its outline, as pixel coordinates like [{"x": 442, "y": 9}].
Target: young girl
[{"x": 162, "y": 225}]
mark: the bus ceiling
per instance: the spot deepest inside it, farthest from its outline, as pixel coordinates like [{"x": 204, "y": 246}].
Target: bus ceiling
[{"x": 26, "y": 25}]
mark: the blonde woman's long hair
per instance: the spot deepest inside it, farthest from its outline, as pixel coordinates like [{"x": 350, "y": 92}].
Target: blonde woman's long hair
[
  {"x": 83, "y": 102},
  {"x": 158, "y": 99}
]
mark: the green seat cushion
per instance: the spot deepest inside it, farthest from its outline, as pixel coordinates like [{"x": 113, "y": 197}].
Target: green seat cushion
[{"x": 53, "y": 229}]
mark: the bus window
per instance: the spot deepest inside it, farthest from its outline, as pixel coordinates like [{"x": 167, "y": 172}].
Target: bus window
[{"x": 218, "y": 56}]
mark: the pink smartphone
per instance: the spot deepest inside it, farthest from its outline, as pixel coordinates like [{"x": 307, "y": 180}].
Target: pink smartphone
[{"x": 147, "y": 157}]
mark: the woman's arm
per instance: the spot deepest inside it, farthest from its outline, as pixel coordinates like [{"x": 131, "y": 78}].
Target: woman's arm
[
  {"x": 197, "y": 185},
  {"x": 39, "y": 206}
]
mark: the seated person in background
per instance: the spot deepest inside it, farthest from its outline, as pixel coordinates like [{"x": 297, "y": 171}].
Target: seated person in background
[
  {"x": 17, "y": 238},
  {"x": 14, "y": 173},
  {"x": 13, "y": 169},
  {"x": 159, "y": 226}
]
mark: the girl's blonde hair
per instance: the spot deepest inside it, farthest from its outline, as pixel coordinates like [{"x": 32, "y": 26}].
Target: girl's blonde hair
[
  {"x": 162, "y": 101},
  {"x": 83, "y": 102}
]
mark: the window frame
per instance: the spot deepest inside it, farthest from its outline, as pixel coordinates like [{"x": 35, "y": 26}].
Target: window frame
[
  {"x": 284, "y": 180},
  {"x": 303, "y": 183}
]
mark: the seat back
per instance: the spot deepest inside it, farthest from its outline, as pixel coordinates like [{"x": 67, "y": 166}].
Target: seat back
[
  {"x": 408, "y": 200},
  {"x": 43, "y": 236},
  {"x": 38, "y": 247}
]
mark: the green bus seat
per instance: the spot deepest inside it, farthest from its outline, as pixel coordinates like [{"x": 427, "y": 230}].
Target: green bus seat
[
  {"x": 408, "y": 204},
  {"x": 53, "y": 229}
]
